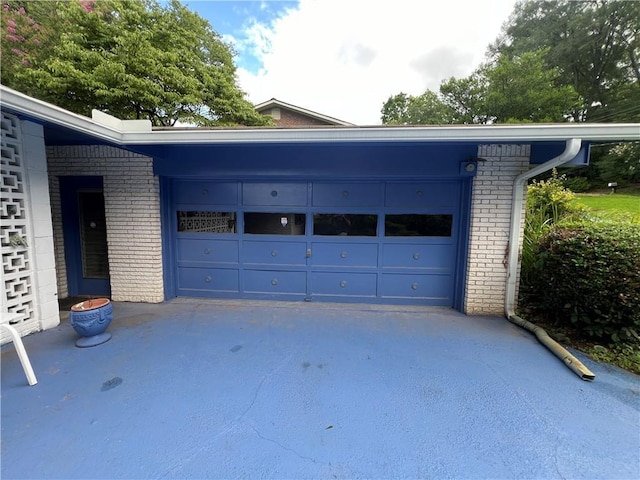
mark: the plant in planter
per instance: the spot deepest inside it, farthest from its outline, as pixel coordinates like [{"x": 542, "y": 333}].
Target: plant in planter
[
  {"x": 90, "y": 319},
  {"x": 17, "y": 240}
]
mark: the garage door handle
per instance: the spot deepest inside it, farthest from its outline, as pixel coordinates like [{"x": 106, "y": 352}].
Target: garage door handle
[{"x": 308, "y": 253}]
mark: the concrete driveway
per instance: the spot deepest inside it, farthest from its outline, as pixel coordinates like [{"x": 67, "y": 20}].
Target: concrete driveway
[{"x": 215, "y": 389}]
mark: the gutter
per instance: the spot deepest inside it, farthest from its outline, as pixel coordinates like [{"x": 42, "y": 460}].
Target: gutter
[
  {"x": 572, "y": 148},
  {"x": 140, "y": 132}
]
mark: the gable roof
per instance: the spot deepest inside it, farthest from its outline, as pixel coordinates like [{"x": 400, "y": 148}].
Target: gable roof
[{"x": 264, "y": 107}]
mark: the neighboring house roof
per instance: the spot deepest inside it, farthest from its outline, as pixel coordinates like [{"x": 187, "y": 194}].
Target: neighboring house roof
[
  {"x": 140, "y": 132},
  {"x": 288, "y": 115}
]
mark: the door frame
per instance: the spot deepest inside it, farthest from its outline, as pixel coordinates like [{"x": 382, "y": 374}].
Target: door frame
[{"x": 76, "y": 283}]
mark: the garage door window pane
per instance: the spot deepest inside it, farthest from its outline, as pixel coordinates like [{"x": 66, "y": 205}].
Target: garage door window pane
[
  {"x": 410, "y": 225},
  {"x": 206, "y": 222},
  {"x": 345, "y": 224},
  {"x": 274, "y": 223}
]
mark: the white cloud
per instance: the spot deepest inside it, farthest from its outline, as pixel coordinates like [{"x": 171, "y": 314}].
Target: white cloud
[
  {"x": 441, "y": 63},
  {"x": 345, "y": 58}
]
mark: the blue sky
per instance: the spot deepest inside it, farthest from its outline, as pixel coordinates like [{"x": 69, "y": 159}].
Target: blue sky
[
  {"x": 345, "y": 58},
  {"x": 232, "y": 19}
]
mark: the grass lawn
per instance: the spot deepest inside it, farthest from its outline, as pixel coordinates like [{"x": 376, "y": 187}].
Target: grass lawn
[{"x": 623, "y": 204}]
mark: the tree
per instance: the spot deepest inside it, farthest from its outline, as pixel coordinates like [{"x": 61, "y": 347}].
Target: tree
[
  {"x": 619, "y": 163},
  {"x": 466, "y": 97},
  {"x": 594, "y": 44},
  {"x": 523, "y": 89},
  {"x": 519, "y": 89},
  {"x": 425, "y": 109},
  {"x": 25, "y": 40},
  {"x": 132, "y": 59}
]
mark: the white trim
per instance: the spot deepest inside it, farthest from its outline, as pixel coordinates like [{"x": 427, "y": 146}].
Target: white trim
[
  {"x": 121, "y": 125},
  {"x": 38, "y": 110},
  {"x": 450, "y": 133},
  {"x": 123, "y": 133}
]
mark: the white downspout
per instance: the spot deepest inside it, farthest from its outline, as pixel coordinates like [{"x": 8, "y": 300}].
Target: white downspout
[{"x": 572, "y": 148}]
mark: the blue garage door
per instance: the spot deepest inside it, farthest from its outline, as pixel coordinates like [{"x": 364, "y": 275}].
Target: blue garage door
[{"x": 383, "y": 242}]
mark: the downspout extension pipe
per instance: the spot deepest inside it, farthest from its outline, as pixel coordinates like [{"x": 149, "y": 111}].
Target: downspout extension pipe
[
  {"x": 558, "y": 350},
  {"x": 572, "y": 148}
]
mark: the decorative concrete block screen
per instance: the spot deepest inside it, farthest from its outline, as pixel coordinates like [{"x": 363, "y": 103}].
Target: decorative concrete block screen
[{"x": 16, "y": 241}]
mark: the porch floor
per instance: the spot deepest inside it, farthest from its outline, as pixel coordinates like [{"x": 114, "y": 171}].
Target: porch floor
[{"x": 237, "y": 389}]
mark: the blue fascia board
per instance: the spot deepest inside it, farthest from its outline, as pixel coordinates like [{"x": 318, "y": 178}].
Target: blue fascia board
[
  {"x": 543, "y": 152},
  {"x": 357, "y": 159}
]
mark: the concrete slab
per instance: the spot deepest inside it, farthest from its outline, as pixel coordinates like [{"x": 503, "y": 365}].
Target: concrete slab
[{"x": 206, "y": 389}]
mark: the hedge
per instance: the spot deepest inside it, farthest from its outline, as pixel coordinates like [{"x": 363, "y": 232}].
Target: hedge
[{"x": 587, "y": 277}]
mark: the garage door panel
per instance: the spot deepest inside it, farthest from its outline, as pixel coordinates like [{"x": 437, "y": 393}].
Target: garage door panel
[
  {"x": 346, "y": 194},
  {"x": 344, "y": 254},
  {"x": 437, "y": 256},
  {"x": 203, "y": 193},
  {"x": 275, "y": 281},
  {"x": 208, "y": 279},
  {"x": 274, "y": 253},
  {"x": 344, "y": 284},
  {"x": 215, "y": 251},
  {"x": 265, "y": 194},
  {"x": 437, "y": 288},
  {"x": 424, "y": 194}
]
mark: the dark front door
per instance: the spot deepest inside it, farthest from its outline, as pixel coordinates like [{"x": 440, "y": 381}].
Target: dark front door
[{"x": 85, "y": 235}]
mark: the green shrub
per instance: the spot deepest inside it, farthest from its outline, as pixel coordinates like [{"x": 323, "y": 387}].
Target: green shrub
[
  {"x": 550, "y": 198},
  {"x": 577, "y": 184},
  {"x": 548, "y": 202},
  {"x": 587, "y": 277}
]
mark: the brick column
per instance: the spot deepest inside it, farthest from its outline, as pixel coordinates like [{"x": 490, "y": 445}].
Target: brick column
[{"x": 490, "y": 220}]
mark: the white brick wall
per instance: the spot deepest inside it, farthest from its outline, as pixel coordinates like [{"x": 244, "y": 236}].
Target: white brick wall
[
  {"x": 490, "y": 220},
  {"x": 132, "y": 207}
]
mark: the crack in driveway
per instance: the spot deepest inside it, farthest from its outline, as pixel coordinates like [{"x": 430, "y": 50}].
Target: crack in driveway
[
  {"x": 261, "y": 383},
  {"x": 233, "y": 424},
  {"x": 289, "y": 449}
]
